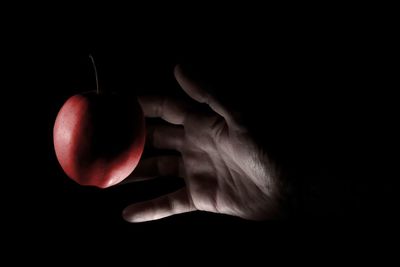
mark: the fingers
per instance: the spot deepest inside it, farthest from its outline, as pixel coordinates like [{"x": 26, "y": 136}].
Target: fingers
[
  {"x": 160, "y": 166},
  {"x": 198, "y": 94},
  {"x": 171, "y": 110},
  {"x": 163, "y": 137},
  {"x": 175, "y": 111},
  {"x": 171, "y": 204},
  {"x": 157, "y": 166},
  {"x": 166, "y": 137}
]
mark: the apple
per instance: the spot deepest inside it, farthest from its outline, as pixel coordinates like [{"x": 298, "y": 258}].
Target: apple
[{"x": 99, "y": 137}]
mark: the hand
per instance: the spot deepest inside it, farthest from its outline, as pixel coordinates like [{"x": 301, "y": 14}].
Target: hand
[{"x": 224, "y": 170}]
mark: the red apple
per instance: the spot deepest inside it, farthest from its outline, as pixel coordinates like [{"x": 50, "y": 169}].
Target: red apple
[{"x": 99, "y": 138}]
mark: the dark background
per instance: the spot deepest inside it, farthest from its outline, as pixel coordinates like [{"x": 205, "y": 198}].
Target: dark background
[{"x": 311, "y": 92}]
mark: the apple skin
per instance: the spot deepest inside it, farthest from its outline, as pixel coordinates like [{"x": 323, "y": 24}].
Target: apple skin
[{"x": 99, "y": 138}]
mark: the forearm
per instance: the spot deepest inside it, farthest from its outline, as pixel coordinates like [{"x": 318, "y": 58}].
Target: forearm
[{"x": 324, "y": 194}]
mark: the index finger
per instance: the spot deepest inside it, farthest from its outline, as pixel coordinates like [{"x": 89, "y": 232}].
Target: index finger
[
  {"x": 194, "y": 90},
  {"x": 169, "y": 109}
]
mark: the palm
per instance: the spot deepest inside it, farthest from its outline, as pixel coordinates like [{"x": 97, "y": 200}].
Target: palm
[{"x": 224, "y": 170}]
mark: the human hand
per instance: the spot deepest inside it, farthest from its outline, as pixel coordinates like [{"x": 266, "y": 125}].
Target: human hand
[{"x": 224, "y": 170}]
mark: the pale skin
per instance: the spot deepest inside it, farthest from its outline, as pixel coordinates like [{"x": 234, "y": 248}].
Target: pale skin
[{"x": 224, "y": 170}]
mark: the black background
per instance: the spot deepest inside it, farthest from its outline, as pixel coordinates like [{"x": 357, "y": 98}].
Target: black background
[{"x": 308, "y": 91}]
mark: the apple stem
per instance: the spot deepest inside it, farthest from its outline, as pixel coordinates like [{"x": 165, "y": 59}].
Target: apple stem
[{"x": 95, "y": 73}]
